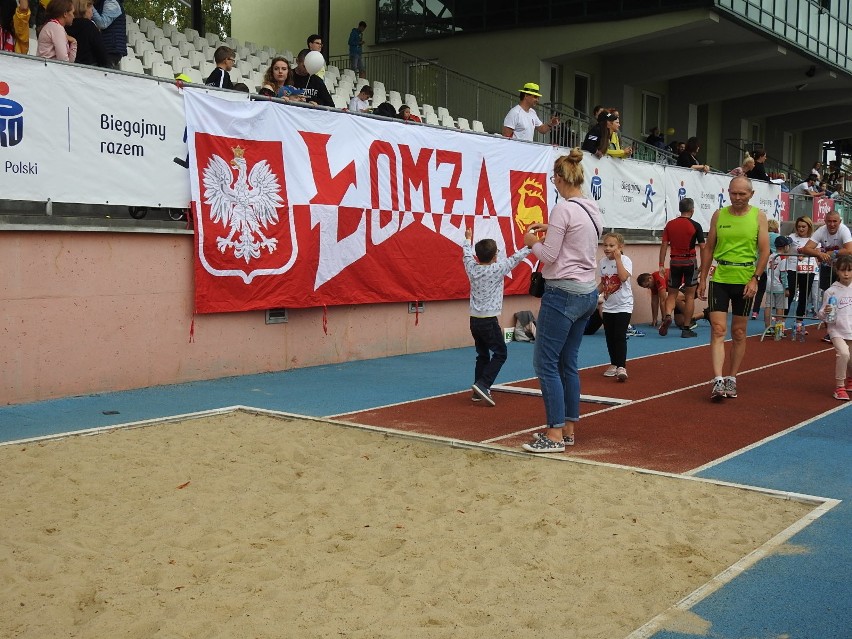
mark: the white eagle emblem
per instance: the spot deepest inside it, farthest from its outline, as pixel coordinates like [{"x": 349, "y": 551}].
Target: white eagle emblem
[{"x": 248, "y": 206}]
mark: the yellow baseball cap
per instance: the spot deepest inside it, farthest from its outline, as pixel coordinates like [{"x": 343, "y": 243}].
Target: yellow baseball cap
[{"x": 532, "y": 88}]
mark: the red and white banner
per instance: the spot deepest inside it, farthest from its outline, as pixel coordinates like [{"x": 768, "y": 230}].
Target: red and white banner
[
  {"x": 298, "y": 207},
  {"x": 822, "y": 207}
]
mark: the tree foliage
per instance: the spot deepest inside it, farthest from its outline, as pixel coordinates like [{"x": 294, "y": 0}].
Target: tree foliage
[{"x": 217, "y": 14}]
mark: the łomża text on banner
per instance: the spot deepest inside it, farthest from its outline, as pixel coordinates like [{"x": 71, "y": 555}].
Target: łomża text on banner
[{"x": 298, "y": 207}]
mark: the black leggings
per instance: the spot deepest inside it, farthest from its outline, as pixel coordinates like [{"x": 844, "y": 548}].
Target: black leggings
[
  {"x": 615, "y": 328},
  {"x": 802, "y": 281}
]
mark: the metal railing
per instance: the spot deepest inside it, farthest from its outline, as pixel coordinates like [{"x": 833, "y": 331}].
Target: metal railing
[
  {"x": 735, "y": 150},
  {"x": 467, "y": 97}
]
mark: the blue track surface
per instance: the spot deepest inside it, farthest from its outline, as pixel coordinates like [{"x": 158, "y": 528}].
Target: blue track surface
[{"x": 805, "y": 595}]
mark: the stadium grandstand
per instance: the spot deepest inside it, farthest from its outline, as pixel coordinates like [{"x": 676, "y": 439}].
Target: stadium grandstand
[{"x": 741, "y": 75}]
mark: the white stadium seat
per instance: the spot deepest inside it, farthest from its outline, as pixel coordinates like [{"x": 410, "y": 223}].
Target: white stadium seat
[
  {"x": 194, "y": 75},
  {"x": 176, "y": 38},
  {"x": 339, "y": 101},
  {"x": 463, "y": 124},
  {"x": 142, "y": 46},
  {"x": 196, "y": 58},
  {"x": 253, "y": 62},
  {"x": 442, "y": 112},
  {"x": 191, "y": 34},
  {"x": 206, "y": 69},
  {"x": 255, "y": 81},
  {"x": 185, "y": 48},
  {"x": 236, "y": 76},
  {"x": 476, "y": 125},
  {"x": 181, "y": 65},
  {"x": 131, "y": 65},
  {"x": 428, "y": 110},
  {"x": 163, "y": 70},
  {"x": 150, "y": 57},
  {"x": 431, "y": 118},
  {"x": 212, "y": 39},
  {"x": 244, "y": 67},
  {"x": 168, "y": 29},
  {"x": 447, "y": 121}
]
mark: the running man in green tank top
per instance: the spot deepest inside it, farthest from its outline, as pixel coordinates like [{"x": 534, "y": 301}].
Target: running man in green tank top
[{"x": 738, "y": 242}]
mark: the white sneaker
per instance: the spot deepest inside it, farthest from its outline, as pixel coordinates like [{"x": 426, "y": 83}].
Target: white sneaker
[
  {"x": 611, "y": 371},
  {"x": 621, "y": 374}
]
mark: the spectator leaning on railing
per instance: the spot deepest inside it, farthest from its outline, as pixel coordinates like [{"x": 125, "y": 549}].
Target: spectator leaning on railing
[
  {"x": 521, "y": 122},
  {"x": 90, "y": 43},
  {"x": 53, "y": 42}
]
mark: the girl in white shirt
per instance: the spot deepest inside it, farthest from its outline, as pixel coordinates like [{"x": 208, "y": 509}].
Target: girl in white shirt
[
  {"x": 615, "y": 271},
  {"x": 840, "y": 330}
]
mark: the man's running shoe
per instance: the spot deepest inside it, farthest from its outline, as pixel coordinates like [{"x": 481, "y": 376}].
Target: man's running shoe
[
  {"x": 634, "y": 332},
  {"x": 718, "y": 391},
  {"x": 730, "y": 387},
  {"x": 688, "y": 333},
  {"x": 664, "y": 327}
]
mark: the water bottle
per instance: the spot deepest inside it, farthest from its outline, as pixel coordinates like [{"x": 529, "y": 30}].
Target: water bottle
[{"x": 831, "y": 316}]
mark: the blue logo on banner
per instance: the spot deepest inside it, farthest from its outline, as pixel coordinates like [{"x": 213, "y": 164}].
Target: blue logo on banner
[
  {"x": 649, "y": 194},
  {"x": 681, "y": 192},
  {"x": 597, "y": 186},
  {"x": 11, "y": 119}
]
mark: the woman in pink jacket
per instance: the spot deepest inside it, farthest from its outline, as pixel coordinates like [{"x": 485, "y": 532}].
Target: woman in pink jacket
[{"x": 53, "y": 42}]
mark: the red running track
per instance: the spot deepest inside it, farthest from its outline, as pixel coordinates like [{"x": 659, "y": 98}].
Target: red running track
[{"x": 670, "y": 425}]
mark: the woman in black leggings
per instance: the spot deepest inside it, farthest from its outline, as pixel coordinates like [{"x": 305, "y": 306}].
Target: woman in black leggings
[{"x": 800, "y": 268}]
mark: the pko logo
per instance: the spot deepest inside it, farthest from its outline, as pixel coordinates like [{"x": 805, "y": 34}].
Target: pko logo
[{"x": 11, "y": 119}]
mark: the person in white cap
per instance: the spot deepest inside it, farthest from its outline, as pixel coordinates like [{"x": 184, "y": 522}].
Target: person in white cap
[{"x": 522, "y": 121}]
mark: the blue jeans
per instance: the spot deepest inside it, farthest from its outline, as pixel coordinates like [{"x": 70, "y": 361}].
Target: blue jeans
[
  {"x": 561, "y": 321},
  {"x": 488, "y": 338}
]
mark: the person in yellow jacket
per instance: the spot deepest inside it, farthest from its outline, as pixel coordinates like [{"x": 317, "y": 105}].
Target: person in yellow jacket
[
  {"x": 614, "y": 149},
  {"x": 15, "y": 25}
]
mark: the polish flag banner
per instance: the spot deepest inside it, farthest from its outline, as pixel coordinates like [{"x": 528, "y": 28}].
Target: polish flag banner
[{"x": 297, "y": 207}]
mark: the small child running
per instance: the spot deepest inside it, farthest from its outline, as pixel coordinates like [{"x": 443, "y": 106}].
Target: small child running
[
  {"x": 840, "y": 330},
  {"x": 486, "y": 305},
  {"x": 616, "y": 270}
]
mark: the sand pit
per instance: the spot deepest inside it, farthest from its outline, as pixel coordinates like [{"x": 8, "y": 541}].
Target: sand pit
[{"x": 242, "y": 525}]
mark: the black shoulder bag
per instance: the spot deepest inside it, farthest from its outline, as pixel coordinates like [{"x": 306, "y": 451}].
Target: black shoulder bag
[{"x": 537, "y": 280}]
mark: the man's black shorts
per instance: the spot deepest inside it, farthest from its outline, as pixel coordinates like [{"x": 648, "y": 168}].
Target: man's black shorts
[
  {"x": 721, "y": 297},
  {"x": 686, "y": 276}
]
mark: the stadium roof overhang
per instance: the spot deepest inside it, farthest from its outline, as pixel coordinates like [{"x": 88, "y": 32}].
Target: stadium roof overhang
[{"x": 718, "y": 60}]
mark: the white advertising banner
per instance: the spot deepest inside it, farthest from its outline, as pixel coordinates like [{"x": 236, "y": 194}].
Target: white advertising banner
[
  {"x": 72, "y": 133},
  {"x": 710, "y": 192}
]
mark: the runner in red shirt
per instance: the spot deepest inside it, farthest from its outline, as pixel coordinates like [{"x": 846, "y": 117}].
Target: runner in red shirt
[
  {"x": 657, "y": 283},
  {"x": 683, "y": 234}
]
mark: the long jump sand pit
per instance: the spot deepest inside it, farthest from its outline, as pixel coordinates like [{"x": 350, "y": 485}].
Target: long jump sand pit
[{"x": 245, "y": 525}]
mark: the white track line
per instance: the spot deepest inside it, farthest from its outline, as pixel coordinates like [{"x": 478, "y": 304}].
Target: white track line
[
  {"x": 658, "y": 396},
  {"x": 726, "y": 576}
]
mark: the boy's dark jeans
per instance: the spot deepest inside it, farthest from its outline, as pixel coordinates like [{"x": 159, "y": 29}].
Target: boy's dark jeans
[{"x": 488, "y": 339}]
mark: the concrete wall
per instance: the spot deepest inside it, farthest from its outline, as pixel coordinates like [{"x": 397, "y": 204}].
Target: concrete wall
[
  {"x": 86, "y": 312},
  {"x": 286, "y": 24}
]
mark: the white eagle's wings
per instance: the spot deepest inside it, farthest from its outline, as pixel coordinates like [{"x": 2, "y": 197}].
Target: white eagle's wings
[
  {"x": 217, "y": 189},
  {"x": 263, "y": 197}
]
